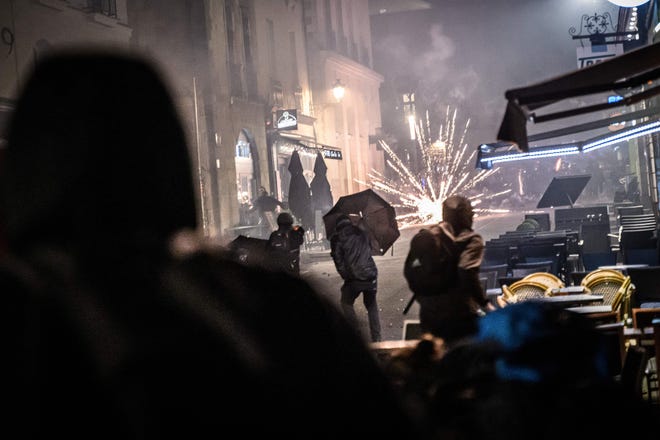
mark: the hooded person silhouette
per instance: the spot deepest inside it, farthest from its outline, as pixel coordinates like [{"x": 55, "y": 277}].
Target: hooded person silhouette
[{"x": 108, "y": 332}]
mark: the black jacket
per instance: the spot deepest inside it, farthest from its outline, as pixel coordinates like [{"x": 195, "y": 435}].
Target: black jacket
[{"x": 351, "y": 252}]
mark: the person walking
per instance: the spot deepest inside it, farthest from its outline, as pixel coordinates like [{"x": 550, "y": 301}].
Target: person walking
[
  {"x": 442, "y": 270},
  {"x": 283, "y": 247},
  {"x": 351, "y": 253}
]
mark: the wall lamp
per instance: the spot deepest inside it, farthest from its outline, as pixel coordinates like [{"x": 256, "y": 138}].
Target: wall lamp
[
  {"x": 338, "y": 90},
  {"x": 487, "y": 154}
]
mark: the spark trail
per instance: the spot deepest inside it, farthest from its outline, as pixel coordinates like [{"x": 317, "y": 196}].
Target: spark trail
[{"x": 446, "y": 167}]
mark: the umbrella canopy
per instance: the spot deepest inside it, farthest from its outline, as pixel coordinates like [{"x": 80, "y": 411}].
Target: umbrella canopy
[
  {"x": 375, "y": 213},
  {"x": 321, "y": 192},
  {"x": 248, "y": 250},
  {"x": 300, "y": 200}
]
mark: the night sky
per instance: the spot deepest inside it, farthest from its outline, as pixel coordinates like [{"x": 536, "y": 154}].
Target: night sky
[{"x": 467, "y": 53}]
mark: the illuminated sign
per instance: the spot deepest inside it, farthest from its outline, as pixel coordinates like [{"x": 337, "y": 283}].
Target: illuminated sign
[
  {"x": 332, "y": 154},
  {"x": 286, "y": 120},
  {"x": 587, "y": 56}
]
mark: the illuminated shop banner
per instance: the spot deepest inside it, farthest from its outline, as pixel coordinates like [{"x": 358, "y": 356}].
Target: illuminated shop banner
[
  {"x": 286, "y": 119},
  {"x": 332, "y": 154},
  {"x": 587, "y": 56}
]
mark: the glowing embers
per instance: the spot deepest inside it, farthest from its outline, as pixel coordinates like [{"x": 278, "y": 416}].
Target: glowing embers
[{"x": 443, "y": 166}]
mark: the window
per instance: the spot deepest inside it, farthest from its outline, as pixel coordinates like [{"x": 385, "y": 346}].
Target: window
[
  {"x": 105, "y": 7},
  {"x": 242, "y": 146}
]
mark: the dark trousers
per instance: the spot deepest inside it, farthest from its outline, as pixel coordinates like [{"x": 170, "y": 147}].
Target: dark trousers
[{"x": 350, "y": 290}]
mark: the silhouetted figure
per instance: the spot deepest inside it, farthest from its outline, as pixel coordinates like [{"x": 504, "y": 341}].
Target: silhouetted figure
[
  {"x": 266, "y": 205},
  {"x": 442, "y": 270},
  {"x": 283, "y": 247},
  {"x": 533, "y": 371},
  {"x": 351, "y": 253},
  {"x": 118, "y": 321}
]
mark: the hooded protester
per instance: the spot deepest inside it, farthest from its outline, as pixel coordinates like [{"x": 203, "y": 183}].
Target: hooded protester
[
  {"x": 283, "y": 246},
  {"x": 112, "y": 329},
  {"x": 351, "y": 253},
  {"x": 442, "y": 270}
]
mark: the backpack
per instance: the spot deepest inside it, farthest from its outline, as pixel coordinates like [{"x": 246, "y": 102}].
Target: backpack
[
  {"x": 432, "y": 262},
  {"x": 279, "y": 242}
]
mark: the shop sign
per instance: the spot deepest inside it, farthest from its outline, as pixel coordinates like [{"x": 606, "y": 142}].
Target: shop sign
[
  {"x": 286, "y": 119},
  {"x": 589, "y": 55},
  {"x": 332, "y": 154}
]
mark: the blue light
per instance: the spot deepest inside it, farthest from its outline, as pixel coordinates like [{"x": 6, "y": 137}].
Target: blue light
[{"x": 620, "y": 137}]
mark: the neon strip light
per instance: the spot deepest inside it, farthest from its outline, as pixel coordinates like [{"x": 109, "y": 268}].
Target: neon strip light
[
  {"x": 574, "y": 149},
  {"x": 630, "y": 134}
]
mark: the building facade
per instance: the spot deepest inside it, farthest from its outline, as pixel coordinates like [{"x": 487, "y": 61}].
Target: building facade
[{"x": 234, "y": 67}]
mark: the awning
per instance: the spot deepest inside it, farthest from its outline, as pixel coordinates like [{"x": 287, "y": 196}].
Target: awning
[
  {"x": 309, "y": 143},
  {"x": 633, "y": 76}
]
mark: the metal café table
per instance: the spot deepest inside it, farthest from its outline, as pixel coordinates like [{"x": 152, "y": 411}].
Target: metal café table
[
  {"x": 623, "y": 267},
  {"x": 566, "y": 300},
  {"x": 591, "y": 309},
  {"x": 574, "y": 300}
]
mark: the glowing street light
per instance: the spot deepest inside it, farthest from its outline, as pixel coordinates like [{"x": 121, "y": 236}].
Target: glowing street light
[
  {"x": 628, "y": 3},
  {"x": 338, "y": 90}
]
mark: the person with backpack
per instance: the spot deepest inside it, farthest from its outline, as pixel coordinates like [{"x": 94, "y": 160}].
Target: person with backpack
[
  {"x": 283, "y": 246},
  {"x": 442, "y": 270},
  {"x": 351, "y": 252}
]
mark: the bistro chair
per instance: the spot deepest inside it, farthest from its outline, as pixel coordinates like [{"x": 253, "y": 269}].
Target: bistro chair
[
  {"x": 524, "y": 269},
  {"x": 493, "y": 273},
  {"x": 615, "y": 287},
  {"x": 532, "y": 287},
  {"x": 647, "y": 286},
  {"x": 550, "y": 280}
]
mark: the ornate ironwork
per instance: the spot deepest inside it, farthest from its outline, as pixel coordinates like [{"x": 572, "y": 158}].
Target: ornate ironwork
[{"x": 596, "y": 27}]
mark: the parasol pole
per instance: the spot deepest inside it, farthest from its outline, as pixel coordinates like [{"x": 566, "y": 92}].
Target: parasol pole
[{"x": 410, "y": 303}]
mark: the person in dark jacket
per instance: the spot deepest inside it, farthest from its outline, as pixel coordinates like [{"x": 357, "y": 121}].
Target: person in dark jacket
[
  {"x": 450, "y": 295},
  {"x": 266, "y": 205},
  {"x": 351, "y": 253},
  {"x": 283, "y": 246}
]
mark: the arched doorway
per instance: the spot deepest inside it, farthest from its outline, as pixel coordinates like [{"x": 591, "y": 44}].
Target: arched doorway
[{"x": 248, "y": 175}]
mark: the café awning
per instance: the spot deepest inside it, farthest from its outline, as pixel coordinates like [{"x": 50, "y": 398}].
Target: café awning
[{"x": 632, "y": 76}]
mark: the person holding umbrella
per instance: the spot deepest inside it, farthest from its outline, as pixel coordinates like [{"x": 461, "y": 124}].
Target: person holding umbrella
[{"x": 350, "y": 249}]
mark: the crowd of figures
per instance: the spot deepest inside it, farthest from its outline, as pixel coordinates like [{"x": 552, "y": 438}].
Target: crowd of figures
[{"x": 122, "y": 322}]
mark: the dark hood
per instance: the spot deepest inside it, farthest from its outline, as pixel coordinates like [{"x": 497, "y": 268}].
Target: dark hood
[{"x": 95, "y": 153}]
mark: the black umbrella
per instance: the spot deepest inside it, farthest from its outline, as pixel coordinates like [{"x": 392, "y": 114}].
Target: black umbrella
[
  {"x": 300, "y": 200},
  {"x": 248, "y": 250},
  {"x": 321, "y": 192},
  {"x": 375, "y": 213}
]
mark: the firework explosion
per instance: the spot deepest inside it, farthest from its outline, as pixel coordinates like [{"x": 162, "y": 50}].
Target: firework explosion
[{"x": 447, "y": 168}]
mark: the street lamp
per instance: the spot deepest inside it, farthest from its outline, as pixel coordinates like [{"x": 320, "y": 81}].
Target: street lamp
[
  {"x": 338, "y": 90},
  {"x": 628, "y": 3}
]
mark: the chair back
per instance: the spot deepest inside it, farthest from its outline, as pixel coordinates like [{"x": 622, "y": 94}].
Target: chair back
[
  {"x": 612, "y": 284},
  {"x": 533, "y": 287},
  {"x": 634, "y": 370},
  {"x": 543, "y": 219},
  {"x": 647, "y": 284},
  {"x": 551, "y": 281},
  {"x": 524, "y": 269},
  {"x": 614, "y": 343},
  {"x": 643, "y": 317},
  {"x": 493, "y": 273}
]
